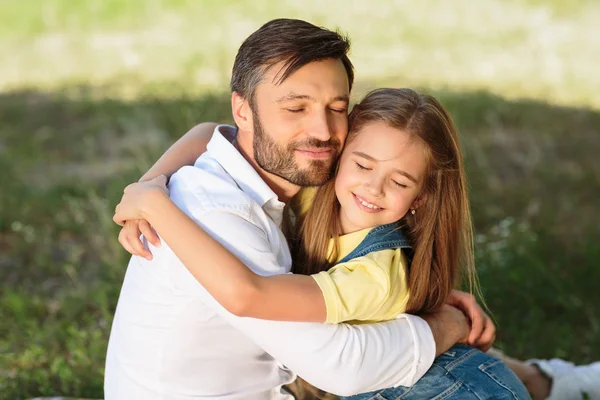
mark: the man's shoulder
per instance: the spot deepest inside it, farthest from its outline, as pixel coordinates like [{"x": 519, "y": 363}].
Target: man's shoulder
[{"x": 206, "y": 187}]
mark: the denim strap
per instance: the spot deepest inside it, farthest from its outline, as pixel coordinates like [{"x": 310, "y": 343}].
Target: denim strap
[{"x": 383, "y": 237}]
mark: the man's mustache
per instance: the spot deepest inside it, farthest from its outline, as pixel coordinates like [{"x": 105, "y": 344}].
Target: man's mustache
[{"x": 318, "y": 144}]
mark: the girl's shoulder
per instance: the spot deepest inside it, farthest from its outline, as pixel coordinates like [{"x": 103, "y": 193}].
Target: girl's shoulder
[{"x": 388, "y": 261}]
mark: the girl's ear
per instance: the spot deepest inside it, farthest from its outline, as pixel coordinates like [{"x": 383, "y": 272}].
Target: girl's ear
[
  {"x": 242, "y": 114},
  {"x": 418, "y": 202}
]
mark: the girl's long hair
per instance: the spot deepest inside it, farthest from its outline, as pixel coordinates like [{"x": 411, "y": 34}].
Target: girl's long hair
[{"x": 440, "y": 231}]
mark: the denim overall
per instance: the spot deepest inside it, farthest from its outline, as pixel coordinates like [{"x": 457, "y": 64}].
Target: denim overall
[
  {"x": 379, "y": 238},
  {"x": 461, "y": 372}
]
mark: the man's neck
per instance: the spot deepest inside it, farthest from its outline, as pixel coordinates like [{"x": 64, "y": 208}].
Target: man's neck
[{"x": 282, "y": 188}]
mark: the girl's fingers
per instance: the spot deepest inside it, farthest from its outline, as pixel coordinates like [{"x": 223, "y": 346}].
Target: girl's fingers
[
  {"x": 125, "y": 242},
  {"x": 132, "y": 231},
  {"x": 117, "y": 218},
  {"x": 129, "y": 237},
  {"x": 162, "y": 180},
  {"x": 149, "y": 233}
]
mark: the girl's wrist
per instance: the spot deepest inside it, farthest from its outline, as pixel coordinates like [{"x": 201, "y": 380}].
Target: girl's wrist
[{"x": 152, "y": 202}]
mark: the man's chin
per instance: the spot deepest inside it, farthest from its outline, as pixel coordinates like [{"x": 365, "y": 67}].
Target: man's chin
[
  {"x": 307, "y": 164},
  {"x": 316, "y": 177}
]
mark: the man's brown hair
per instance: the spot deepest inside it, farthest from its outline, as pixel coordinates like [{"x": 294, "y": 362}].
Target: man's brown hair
[{"x": 291, "y": 41}]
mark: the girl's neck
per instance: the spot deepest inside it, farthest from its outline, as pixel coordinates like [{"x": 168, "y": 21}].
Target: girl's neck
[{"x": 346, "y": 227}]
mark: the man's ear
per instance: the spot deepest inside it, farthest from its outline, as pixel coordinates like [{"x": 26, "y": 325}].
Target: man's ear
[{"x": 242, "y": 114}]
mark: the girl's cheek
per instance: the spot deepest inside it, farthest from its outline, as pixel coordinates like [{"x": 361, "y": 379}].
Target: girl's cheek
[{"x": 343, "y": 177}]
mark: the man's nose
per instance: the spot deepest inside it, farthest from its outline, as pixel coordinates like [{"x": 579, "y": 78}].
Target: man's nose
[{"x": 320, "y": 128}]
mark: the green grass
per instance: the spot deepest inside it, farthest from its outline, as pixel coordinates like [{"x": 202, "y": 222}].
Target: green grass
[{"x": 94, "y": 91}]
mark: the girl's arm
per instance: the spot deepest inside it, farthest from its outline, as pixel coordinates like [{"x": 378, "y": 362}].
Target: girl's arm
[
  {"x": 237, "y": 288},
  {"x": 183, "y": 152}
]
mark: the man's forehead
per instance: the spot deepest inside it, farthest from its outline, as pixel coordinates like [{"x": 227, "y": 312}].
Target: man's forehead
[
  {"x": 318, "y": 78},
  {"x": 281, "y": 70}
]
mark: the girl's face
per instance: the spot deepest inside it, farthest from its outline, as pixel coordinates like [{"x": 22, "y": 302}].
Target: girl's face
[{"x": 381, "y": 174}]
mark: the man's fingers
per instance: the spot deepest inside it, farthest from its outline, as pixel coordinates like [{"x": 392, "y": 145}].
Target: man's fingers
[
  {"x": 483, "y": 331},
  {"x": 468, "y": 303},
  {"x": 488, "y": 336},
  {"x": 477, "y": 325},
  {"x": 149, "y": 233},
  {"x": 463, "y": 301}
]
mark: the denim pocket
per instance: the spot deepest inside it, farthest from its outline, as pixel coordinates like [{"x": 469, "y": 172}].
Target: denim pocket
[{"x": 503, "y": 376}]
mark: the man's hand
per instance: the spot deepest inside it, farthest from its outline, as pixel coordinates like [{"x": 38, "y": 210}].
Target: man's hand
[
  {"x": 129, "y": 237},
  {"x": 483, "y": 330},
  {"x": 449, "y": 326}
]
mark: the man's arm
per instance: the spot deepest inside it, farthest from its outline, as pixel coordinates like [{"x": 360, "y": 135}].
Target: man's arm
[{"x": 342, "y": 359}]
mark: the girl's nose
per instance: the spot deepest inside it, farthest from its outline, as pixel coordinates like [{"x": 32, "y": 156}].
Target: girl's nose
[{"x": 374, "y": 187}]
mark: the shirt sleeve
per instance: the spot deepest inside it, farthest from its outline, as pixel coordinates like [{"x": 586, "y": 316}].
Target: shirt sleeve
[
  {"x": 360, "y": 289},
  {"x": 341, "y": 359}
]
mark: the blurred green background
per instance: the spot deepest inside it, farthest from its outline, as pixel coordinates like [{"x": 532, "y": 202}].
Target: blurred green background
[{"x": 91, "y": 92}]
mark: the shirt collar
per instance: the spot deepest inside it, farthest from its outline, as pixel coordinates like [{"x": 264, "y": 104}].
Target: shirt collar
[{"x": 245, "y": 176}]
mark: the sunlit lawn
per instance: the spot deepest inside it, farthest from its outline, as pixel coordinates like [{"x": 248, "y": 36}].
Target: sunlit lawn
[{"x": 93, "y": 91}]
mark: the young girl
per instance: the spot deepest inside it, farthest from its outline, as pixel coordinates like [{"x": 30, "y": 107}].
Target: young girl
[{"x": 390, "y": 234}]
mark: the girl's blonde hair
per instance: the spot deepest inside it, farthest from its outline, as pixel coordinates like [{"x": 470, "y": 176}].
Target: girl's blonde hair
[{"x": 440, "y": 231}]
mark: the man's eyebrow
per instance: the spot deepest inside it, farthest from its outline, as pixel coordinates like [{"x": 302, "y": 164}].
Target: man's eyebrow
[
  {"x": 401, "y": 172},
  {"x": 345, "y": 98},
  {"x": 296, "y": 96}
]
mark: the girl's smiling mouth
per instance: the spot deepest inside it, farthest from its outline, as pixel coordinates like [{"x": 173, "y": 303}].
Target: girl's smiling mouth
[{"x": 365, "y": 205}]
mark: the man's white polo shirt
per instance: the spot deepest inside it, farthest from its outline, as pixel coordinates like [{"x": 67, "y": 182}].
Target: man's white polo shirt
[{"x": 171, "y": 340}]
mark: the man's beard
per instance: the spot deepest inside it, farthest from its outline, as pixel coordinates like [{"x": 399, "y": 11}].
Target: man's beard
[{"x": 281, "y": 161}]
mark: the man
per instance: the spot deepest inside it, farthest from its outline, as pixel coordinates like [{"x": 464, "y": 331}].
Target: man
[{"x": 170, "y": 340}]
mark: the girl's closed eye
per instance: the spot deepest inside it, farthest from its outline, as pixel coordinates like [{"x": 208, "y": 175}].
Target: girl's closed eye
[
  {"x": 295, "y": 110},
  {"x": 400, "y": 184},
  {"x": 362, "y": 167}
]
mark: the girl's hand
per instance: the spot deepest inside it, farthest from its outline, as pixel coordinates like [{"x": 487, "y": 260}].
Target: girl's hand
[
  {"x": 129, "y": 237},
  {"x": 483, "y": 330},
  {"x": 137, "y": 197}
]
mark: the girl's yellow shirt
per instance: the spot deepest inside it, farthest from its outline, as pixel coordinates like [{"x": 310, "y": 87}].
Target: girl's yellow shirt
[{"x": 371, "y": 288}]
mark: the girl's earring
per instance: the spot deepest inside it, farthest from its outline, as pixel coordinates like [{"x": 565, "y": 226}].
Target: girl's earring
[{"x": 412, "y": 211}]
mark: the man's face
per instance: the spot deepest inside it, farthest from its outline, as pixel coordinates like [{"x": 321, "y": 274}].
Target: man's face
[{"x": 300, "y": 125}]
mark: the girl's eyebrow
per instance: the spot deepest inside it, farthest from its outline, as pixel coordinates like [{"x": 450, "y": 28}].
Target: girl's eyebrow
[{"x": 401, "y": 172}]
